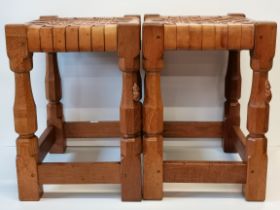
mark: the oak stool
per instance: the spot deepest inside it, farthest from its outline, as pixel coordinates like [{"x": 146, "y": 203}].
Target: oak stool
[
  {"x": 234, "y": 33},
  {"x": 51, "y": 34}
]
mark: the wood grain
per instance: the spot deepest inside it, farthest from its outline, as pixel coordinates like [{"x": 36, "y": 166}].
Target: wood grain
[
  {"x": 204, "y": 172},
  {"x": 193, "y": 129},
  {"x": 54, "y": 107},
  {"x": 232, "y": 95},
  {"x": 79, "y": 173},
  {"x": 46, "y": 141}
]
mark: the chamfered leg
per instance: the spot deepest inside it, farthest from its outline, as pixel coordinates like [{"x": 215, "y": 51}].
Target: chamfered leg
[
  {"x": 25, "y": 117},
  {"x": 258, "y": 111},
  {"x": 130, "y": 111},
  {"x": 232, "y": 94},
  {"x": 152, "y": 112},
  {"x": 54, "y": 107}
]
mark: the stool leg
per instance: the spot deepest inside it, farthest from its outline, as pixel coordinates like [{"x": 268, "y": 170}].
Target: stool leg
[
  {"x": 232, "y": 94},
  {"x": 130, "y": 111},
  {"x": 153, "y": 112},
  {"x": 258, "y": 111},
  {"x": 54, "y": 108},
  {"x": 24, "y": 114}
]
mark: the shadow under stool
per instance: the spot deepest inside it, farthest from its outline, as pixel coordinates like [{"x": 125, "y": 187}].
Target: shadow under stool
[
  {"x": 51, "y": 34},
  {"x": 233, "y": 32}
]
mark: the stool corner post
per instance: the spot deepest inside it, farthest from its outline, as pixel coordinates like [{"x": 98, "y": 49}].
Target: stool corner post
[
  {"x": 258, "y": 110},
  {"x": 17, "y": 48},
  {"x": 55, "y": 116},
  {"x": 153, "y": 50},
  {"x": 130, "y": 110},
  {"x": 232, "y": 105}
]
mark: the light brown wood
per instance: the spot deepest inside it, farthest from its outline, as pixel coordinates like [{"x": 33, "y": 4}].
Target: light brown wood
[
  {"x": 153, "y": 45},
  {"x": 232, "y": 95},
  {"x": 59, "y": 39},
  {"x": 52, "y": 34},
  {"x": 258, "y": 110},
  {"x": 97, "y": 38},
  {"x": 234, "y": 36},
  {"x": 106, "y": 129},
  {"x": 170, "y": 38},
  {"x": 233, "y": 32},
  {"x": 183, "y": 38},
  {"x": 72, "y": 38},
  {"x": 153, "y": 168},
  {"x": 239, "y": 142},
  {"x": 46, "y": 38},
  {"x": 208, "y": 36},
  {"x": 46, "y": 141},
  {"x": 79, "y": 173},
  {"x": 221, "y": 36},
  {"x": 25, "y": 118},
  {"x": 193, "y": 129},
  {"x": 110, "y": 32},
  {"x": 174, "y": 129},
  {"x": 128, "y": 45},
  {"x": 85, "y": 38},
  {"x": 54, "y": 108},
  {"x": 17, "y": 49},
  {"x": 204, "y": 172},
  {"x": 195, "y": 31},
  {"x": 33, "y": 36},
  {"x": 247, "y": 36},
  {"x": 131, "y": 179},
  {"x": 29, "y": 188}
]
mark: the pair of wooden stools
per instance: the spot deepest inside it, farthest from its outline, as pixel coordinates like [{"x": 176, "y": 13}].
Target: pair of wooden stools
[{"x": 51, "y": 34}]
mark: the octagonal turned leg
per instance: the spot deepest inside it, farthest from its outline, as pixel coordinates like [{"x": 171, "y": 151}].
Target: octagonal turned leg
[
  {"x": 54, "y": 108},
  {"x": 258, "y": 111},
  {"x": 130, "y": 111},
  {"x": 153, "y": 112},
  {"x": 232, "y": 94},
  {"x": 24, "y": 114}
]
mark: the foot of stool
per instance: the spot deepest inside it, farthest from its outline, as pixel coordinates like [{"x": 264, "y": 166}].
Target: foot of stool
[
  {"x": 153, "y": 168},
  {"x": 28, "y": 181},
  {"x": 255, "y": 187},
  {"x": 131, "y": 149}
]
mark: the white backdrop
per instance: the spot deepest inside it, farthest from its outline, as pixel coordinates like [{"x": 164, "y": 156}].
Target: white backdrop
[{"x": 192, "y": 82}]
